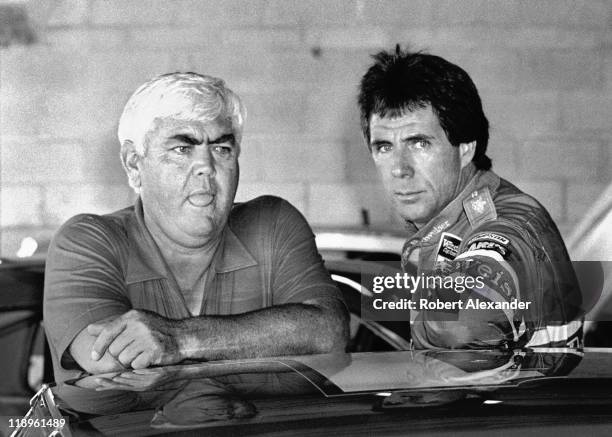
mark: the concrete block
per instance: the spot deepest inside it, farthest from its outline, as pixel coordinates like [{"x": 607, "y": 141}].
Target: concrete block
[
  {"x": 34, "y": 68},
  {"x": 122, "y": 71},
  {"x": 577, "y": 160},
  {"x": 278, "y": 112},
  {"x": 523, "y": 115},
  {"x": 530, "y": 37},
  {"x": 63, "y": 201},
  {"x": 372, "y": 38},
  {"x": 294, "y": 193},
  {"x": 341, "y": 68},
  {"x": 20, "y": 113},
  {"x": 502, "y": 150},
  {"x": 253, "y": 69},
  {"x": 101, "y": 163},
  {"x": 250, "y": 160},
  {"x": 310, "y": 12},
  {"x": 414, "y": 38},
  {"x": 550, "y": 37},
  {"x": 334, "y": 113},
  {"x": 261, "y": 38},
  {"x": 290, "y": 159},
  {"x": 581, "y": 197},
  {"x": 584, "y": 112},
  {"x": 334, "y": 205},
  {"x": 476, "y": 11},
  {"x": 607, "y": 68},
  {"x": 492, "y": 69},
  {"x": 82, "y": 113},
  {"x": 283, "y": 12},
  {"x": 68, "y": 13},
  {"x": 553, "y": 69},
  {"x": 460, "y": 37},
  {"x": 180, "y": 61},
  {"x": 579, "y": 13},
  {"x": 20, "y": 205},
  {"x": 215, "y": 62},
  {"x": 172, "y": 37},
  {"x": 83, "y": 40},
  {"x": 360, "y": 168},
  {"x": 550, "y": 194},
  {"x": 211, "y": 13},
  {"x": 132, "y": 12},
  {"x": 399, "y": 12},
  {"x": 31, "y": 161}
]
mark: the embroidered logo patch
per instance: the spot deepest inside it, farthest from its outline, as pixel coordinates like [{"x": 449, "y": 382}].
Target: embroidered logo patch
[
  {"x": 448, "y": 249},
  {"x": 490, "y": 241},
  {"x": 479, "y": 207},
  {"x": 489, "y": 236}
]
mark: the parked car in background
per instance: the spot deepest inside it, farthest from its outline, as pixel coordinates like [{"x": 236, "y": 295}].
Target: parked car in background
[
  {"x": 591, "y": 242},
  {"x": 359, "y": 243}
]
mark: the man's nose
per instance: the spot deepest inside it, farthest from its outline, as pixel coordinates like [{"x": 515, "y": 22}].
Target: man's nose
[
  {"x": 402, "y": 164},
  {"x": 203, "y": 163}
]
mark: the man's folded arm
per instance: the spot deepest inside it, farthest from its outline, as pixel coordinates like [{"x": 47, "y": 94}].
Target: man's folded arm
[
  {"x": 314, "y": 326},
  {"x": 141, "y": 338},
  {"x": 510, "y": 272}
]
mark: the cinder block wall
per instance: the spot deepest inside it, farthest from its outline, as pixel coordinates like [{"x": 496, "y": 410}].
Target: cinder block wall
[{"x": 544, "y": 69}]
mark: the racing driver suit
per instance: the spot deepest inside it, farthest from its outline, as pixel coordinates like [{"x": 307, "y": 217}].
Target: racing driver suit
[{"x": 528, "y": 294}]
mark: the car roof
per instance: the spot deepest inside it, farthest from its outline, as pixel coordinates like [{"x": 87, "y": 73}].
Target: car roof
[{"x": 348, "y": 391}]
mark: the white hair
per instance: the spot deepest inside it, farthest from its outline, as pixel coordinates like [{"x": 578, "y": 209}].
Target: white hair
[{"x": 187, "y": 96}]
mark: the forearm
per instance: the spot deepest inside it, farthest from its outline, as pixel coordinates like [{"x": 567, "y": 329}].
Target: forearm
[{"x": 304, "y": 328}]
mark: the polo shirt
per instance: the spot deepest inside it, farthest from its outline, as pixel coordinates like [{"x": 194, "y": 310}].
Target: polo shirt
[{"x": 100, "y": 266}]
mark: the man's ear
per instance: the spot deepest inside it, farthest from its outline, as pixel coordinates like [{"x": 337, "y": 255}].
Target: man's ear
[
  {"x": 130, "y": 160},
  {"x": 466, "y": 153}
]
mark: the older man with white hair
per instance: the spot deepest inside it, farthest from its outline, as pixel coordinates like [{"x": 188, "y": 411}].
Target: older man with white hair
[{"x": 185, "y": 273}]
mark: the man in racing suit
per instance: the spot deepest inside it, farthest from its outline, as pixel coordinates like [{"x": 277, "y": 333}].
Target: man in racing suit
[{"x": 423, "y": 122}]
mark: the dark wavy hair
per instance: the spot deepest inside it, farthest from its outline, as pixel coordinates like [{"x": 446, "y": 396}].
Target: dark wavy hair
[{"x": 403, "y": 81}]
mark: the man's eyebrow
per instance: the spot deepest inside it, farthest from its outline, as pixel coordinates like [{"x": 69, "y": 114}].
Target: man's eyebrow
[
  {"x": 227, "y": 138},
  {"x": 377, "y": 142},
  {"x": 418, "y": 137},
  {"x": 186, "y": 138}
]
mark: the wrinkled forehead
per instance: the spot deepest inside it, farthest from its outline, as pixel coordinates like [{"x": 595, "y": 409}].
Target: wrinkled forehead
[
  {"x": 391, "y": 113},
  {"x": 190, "y": 111},
  {"x": 421, "y": 117},
  {"x": 186, "y": 105},
  {"x": 190, "y": 123}
]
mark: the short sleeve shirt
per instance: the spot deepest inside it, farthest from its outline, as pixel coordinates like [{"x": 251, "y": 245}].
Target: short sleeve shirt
[{"x": 103, "y": 266}]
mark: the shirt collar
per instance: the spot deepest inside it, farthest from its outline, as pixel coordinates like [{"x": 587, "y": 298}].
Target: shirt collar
[
  {"x": 146, "y": 263},
  {"x": 451, "y": 212}
]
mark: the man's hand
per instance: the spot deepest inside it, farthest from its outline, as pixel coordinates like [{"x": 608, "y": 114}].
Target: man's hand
[{"x": 137, "y": 339}]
